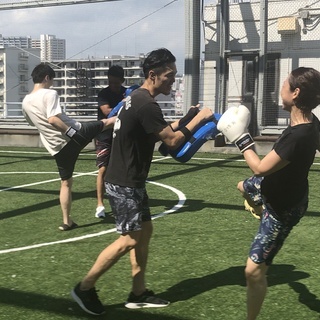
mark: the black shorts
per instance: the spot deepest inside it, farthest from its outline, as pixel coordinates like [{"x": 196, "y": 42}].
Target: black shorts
[
  {"x": 103, "y": 149},
  {"x": 66, "y": 159}
]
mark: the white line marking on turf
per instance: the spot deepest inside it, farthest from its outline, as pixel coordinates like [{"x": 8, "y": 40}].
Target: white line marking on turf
[
  {"x": 42, "y": 152},
  {"x": 30, "y": 172},
  {"x": 181, "y": 201},
  {"x": 45, "y": 181},
  {"x": 53, "y": 180},
  {"x": 181, "y": 197}
]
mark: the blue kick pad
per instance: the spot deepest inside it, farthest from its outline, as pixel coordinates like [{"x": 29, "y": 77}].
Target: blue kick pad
[
  {"x": 116, "y": 109},
  {"x": 205, "y": 132}
]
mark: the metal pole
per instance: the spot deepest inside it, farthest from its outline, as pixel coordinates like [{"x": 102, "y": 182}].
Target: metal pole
[
  {"x": 262, "y": 60},
  {"x": 12, "y": 5},
  {"x": 192, "y": 53},
  {"x": 224, "y": 44}
]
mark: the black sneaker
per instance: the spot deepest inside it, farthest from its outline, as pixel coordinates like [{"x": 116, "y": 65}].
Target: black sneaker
[
  {"x": 145, "y": 300},
  {"x": 88, "y": 300}
]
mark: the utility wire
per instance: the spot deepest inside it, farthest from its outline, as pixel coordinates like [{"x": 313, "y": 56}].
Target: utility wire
[
  {"x": 97, "y": 43},
  {"x": 125, "y": 28}
]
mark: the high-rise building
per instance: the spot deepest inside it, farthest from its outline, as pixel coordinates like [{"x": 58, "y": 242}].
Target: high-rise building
[{"x": 51, "y": 48}]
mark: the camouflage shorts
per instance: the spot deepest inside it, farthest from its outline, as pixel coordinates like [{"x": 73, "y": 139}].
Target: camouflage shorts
[
  {"x": 272, "y": 230},
  {"x": 252, "y": 187},
  {"x": 130, "y": 207}
]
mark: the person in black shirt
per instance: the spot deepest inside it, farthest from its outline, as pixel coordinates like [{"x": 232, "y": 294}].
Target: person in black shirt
[
  {"x": 108, "y": 98},
  {"x": 139, "y": 125},
  {"x": 279, "y": 187}
]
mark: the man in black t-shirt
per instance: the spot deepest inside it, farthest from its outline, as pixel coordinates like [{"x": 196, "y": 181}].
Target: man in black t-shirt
[
  {"x": 108, "y": 98},
  {"x": 139, "y": 125}
]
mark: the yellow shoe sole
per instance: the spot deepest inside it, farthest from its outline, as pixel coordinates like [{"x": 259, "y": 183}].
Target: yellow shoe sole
[{"x": 247, "y": 207}]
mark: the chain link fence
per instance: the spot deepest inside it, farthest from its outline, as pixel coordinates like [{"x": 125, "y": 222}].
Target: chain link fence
[{"x": 285, "y": 34}]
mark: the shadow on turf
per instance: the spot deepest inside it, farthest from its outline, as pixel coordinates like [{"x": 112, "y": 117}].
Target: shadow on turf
[
  {"x": 191, "y": 205},
  {"x": 195, "y": 205},
  {"x": 68, "y": 308},
  {"x": 305, "y": 296},
  {"x": 16, "y": 158},
  {"x": 42, "y": 205},
  {"x": 278, "y": 274},
  {"x": 184, "y": 290},
  {"x": 189, "y": 167}
]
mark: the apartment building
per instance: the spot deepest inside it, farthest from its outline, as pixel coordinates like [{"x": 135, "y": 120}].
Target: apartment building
[
  {"x": 15, "y": 80},
  {"x": 81, "y": 80},
  {"x": 15, "y": 41},
  {"x": 77, "y": 81}
]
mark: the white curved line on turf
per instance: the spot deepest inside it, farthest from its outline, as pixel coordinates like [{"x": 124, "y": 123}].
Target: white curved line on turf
[
  {"x": 53, "y": 180},
  {"x": 181, "y": 197}
]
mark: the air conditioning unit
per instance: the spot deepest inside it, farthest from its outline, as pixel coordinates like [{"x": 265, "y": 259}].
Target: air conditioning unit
[{"x": 288, "y": 25}]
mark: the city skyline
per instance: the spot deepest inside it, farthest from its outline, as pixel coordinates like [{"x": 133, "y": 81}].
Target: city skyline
[{"x": 127, "y": 27}]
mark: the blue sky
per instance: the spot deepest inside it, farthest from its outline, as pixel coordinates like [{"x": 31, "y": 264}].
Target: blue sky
[{"x": 126, "y": 27}]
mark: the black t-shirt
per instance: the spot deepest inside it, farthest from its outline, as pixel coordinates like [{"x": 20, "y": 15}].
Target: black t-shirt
[
  {"x": 134, "y": 137},
  {"x": 106, "y": 96},
  {"x": 285, "y": 188}
]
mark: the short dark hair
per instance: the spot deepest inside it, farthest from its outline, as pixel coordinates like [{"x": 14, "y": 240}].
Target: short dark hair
[
  {"x": 308, "y": 81},
  {"x": 116, "y": 71},
  {"x": 41, "y": 71},
  {"x": 157, "y": 60}
]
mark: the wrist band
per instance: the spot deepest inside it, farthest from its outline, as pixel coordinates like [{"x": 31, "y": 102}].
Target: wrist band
[
  {"x": 245, "y": 142},
  {"x": 186, "y": 132},
  {"x": 70, "y": 132},
  {"x": 193, "y": 111}
]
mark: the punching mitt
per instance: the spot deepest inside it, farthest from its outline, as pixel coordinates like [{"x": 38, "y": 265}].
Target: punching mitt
[
  {"x": 87, "y": 132},
  {"x": 234, "y": 125},
  {"x": 205, "y": 131},
  {"x": 116, "y": 109}
]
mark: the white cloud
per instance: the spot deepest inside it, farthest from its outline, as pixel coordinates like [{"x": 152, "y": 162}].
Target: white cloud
[{"x": 126, "y": 27}]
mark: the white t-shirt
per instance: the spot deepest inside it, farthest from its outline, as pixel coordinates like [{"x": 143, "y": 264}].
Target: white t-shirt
[{"x": 37, "y": 108}]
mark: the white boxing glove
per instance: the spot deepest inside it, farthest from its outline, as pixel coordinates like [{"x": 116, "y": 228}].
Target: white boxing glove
[{"x": 234, "y": 125}]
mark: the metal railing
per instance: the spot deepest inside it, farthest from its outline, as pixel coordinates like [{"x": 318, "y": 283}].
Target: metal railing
[{"x": 84, "y": 111}]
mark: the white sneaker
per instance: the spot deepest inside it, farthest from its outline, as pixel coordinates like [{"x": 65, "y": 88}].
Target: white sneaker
[{"x": 100, "y": 212}]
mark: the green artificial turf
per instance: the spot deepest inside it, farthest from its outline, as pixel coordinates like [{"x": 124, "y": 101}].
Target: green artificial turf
[{"x": 197, "y": 253}]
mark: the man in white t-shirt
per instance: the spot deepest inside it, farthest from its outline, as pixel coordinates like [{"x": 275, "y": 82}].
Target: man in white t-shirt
[{"x": 62, "y": 136}]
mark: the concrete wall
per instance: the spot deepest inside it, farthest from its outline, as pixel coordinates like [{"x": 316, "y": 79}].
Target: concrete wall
[{"x": 29, "y": 137}]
